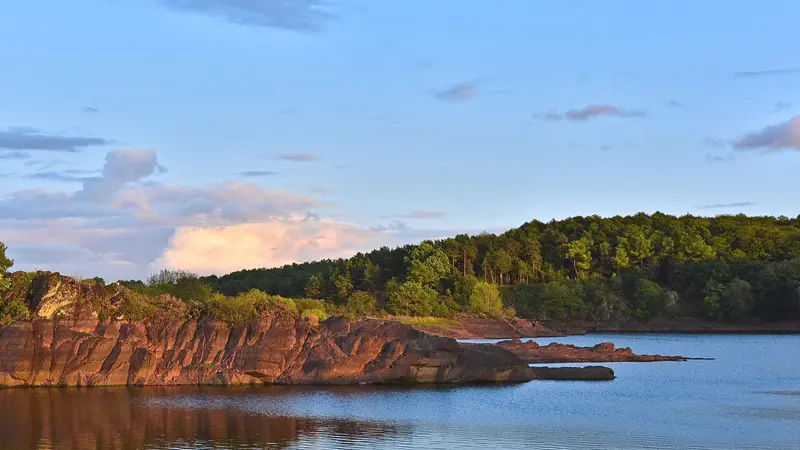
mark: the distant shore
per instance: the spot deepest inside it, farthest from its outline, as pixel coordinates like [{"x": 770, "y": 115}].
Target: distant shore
[{"x": 477, "y": 328}]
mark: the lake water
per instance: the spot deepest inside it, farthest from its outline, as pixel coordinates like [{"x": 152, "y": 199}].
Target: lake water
[{"x": 749, "y": 397}]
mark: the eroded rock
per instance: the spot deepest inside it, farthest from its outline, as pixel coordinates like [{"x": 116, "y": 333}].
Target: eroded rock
[
  {"x": 533, "y": 353},
  {"x": 278, "y": 350}
]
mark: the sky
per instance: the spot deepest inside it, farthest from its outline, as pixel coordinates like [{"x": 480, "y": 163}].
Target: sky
[{"x": 218, "y": 135}]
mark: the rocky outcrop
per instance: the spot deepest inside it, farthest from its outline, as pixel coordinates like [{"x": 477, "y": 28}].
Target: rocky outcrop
[
  {"x": 272, "y": 349},
  {"x": 534, "y": 353},
  {"x": 478, "y": 328},
  {"x": 588, "y": 373},
  {"x": 49, "y": 295}
]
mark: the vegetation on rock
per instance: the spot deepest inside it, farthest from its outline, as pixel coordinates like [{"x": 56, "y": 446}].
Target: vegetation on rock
[{"x": 13, "y": 305}]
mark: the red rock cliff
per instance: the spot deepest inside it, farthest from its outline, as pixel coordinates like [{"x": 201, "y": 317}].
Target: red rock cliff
[{"x": 283, "y": 350}]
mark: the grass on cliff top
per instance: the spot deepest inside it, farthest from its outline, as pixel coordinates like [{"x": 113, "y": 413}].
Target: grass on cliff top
[{"x": 437, "y": 322}]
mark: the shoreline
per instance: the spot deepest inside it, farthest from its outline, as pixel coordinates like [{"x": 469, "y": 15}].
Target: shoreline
[
  {"x": 671, "y": 326},
  {"x": 469, "y": 328}
]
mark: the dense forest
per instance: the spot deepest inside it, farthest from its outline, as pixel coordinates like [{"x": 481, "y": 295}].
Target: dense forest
[{"x": 726, "y": 268}]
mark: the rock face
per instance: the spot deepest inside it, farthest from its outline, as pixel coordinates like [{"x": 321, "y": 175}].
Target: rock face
[
  {"x": 278, "y": 350},
  {"x": 533, "y": 353}
]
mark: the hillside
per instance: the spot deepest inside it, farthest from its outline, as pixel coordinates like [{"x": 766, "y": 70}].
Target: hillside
[{"x": 725, "y": 268}]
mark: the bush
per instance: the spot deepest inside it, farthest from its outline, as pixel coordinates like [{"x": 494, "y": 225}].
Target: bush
[
  {"x": 13, "y": 310},
  {"x": 135, "y": 307},
  {"x": 508, "y": 313},
  {"x": 246, "y": 307},
  {"x": 411, "y": 299},
  {"x": 485, "y": 299},
  {"x": 309, "y": 303},
  {"x": 361, "y": 303},
  {"x": 314, "y": 316},
  {"x": 169, "y": 308},
  {"x": 5, "y": 264}
]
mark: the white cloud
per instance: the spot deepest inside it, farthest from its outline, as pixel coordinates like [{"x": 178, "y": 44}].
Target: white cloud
[
  {"x": 122, "y": 224},
  {"x": 783, "y": 136},
  {"x": 265, "y": 244}
]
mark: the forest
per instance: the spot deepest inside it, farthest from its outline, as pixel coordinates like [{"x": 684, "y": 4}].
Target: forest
[{"x": 723, "y": 268}]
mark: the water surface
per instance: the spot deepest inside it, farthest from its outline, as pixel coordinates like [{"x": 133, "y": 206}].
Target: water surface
[{"x": 749, "y": 397}]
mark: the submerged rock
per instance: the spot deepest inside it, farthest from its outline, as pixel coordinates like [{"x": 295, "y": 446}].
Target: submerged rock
[{"x": 588, "y": 373}]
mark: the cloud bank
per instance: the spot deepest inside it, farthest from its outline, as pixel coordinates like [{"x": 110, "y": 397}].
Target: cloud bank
[
  {"x": 783, "y": 136},
  {"x": 31, "y": 139},
  {"x": 122, "y": 222},
  {"x": 590, "y": 112}
]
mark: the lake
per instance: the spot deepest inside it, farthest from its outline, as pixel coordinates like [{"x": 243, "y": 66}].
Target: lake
[{"x": 748, "y": 398}]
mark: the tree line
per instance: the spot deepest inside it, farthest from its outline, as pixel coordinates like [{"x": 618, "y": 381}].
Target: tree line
[
  {"x": 724, "y": 268},
  {"x": 727, "y": 268}
]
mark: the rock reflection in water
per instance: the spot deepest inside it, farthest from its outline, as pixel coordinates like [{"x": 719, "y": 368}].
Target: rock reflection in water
[{"x": 124, "y": 418}]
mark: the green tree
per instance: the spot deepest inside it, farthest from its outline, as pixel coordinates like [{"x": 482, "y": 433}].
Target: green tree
[
  {"x": 503, "y": 262},
  {"x": 580, "y": 254},
  {"x": 711, "y": 300},
  {"x": 315, "y": 288},
  {"x": 524, "y": 271},
  {"x": 647, "y": 299},
  {"x": 638, "y": 245},
  {"x": 411, "y": 298},
  {"x": 427, "y": 264},
  {"x": 361, "y": 303},
  {"x": 485, "y": 298},
  {"x": 561, "y": 301},
  {"x": 169, "y": 276},
  {"x": 5, "y": 264},
  {"x": 736, "y": 299},
  {"x": 342, "y": 284},
  {"x": 468, "y": 253},
  {"x": 621, "y": 260},
  {"x": 532, "y": 249},
  {"x": 605, "y": 251}
]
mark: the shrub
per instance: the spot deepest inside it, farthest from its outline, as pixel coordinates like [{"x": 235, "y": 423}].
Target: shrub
[
  {"x": 135, "y": 307},
  {"x": 314, "y": 316},
  {"x": 309, "y": 303},
  {"x": 361, "y": 303},
  {"x": 169, "y": 308},
  {"x": 13, "y": 310},
  {"x": 508, "y": 312},
  {"x": 246, "y": 306},
  {"x": 5, "y": 264},
  {"x": 485, "y": 298},
  {"x": 411, "y": 298}
]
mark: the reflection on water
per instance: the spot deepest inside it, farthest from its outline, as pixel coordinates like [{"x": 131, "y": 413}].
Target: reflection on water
[{"x": 746, "y": 398}]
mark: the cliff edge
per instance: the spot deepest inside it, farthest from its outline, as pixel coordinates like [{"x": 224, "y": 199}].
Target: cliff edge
[{"x": 268, "y": 350}]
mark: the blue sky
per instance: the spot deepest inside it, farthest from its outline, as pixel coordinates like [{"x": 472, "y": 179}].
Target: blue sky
[{"x": 141, "y": 134}]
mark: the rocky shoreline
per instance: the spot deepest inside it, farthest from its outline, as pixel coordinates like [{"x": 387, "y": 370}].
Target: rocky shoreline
[
  {"x": 65, "y": 341},
  {"x": 271, "y": 350},
  {"x": 479, "y": 328},
  {"x": 673, "y": 325},
  {"x": 533, "y": 353}
]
